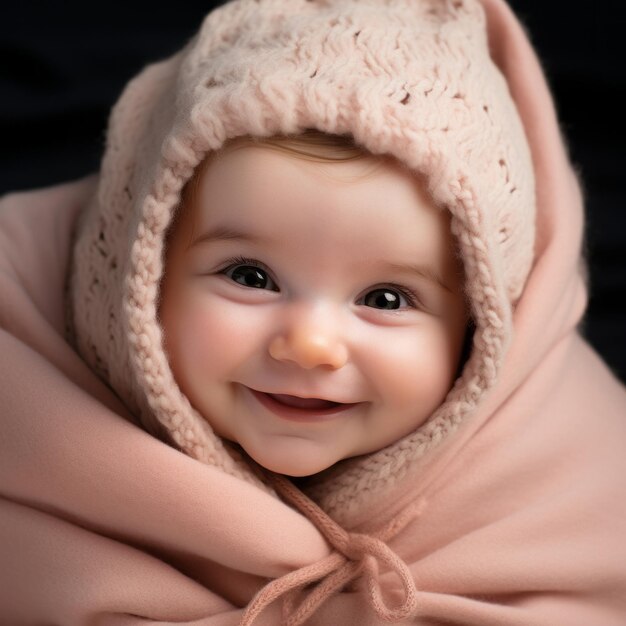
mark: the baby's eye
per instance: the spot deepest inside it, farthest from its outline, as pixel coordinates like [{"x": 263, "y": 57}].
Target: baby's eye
[
  {"x": 250, "y": 276},
  {"x": 388, "y": 299}
]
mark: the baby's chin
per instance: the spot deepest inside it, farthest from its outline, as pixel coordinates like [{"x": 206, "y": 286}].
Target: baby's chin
[
  {"x": 297, "y": 460},
  {"x": 295, "y": 468}
]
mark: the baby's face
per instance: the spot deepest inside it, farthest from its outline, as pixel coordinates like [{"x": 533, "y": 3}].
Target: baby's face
[{"x": 312, "y": 312}]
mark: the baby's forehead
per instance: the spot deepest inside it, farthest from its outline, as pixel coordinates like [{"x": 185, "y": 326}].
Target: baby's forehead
[
  {"x": 335, "y": 158},
  {"x": 240, "y": 174}
]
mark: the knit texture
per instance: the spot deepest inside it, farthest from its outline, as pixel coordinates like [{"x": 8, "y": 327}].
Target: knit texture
[{"x": 409, "y": 78}]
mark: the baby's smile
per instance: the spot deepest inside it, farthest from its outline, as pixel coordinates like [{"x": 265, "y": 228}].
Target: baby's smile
[
  {"x": 292, "y": 407},
  {"x": 302, "y": 403}
]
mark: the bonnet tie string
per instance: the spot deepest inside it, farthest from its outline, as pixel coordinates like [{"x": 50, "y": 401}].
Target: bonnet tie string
[{"x": 355, "y": 555}]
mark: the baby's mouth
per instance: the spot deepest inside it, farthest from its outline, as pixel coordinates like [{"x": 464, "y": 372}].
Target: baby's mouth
[
  {"x": 315, "y": 404},
  {"x": 299, "y": 409}
]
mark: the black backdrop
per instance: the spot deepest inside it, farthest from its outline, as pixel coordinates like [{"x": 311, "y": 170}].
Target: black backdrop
[{"x": 62, "y": 66}]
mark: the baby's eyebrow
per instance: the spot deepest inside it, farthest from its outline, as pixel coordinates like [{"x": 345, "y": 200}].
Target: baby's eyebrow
[{"x": 224, "y": 233}]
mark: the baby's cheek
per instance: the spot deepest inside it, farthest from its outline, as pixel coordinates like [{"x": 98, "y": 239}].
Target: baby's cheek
[
  {"x": 203, "y": 355},
  {"x": 209, "y": 337},
  {"x": 417, "y": 370},
  {"x": 221, "y": 336}
]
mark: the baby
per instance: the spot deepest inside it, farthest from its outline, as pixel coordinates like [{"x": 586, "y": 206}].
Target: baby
[
  {"x": 302, "y": 324},
  {"x": 346, "y": 215},
  {"x": 333, "y": 262}
]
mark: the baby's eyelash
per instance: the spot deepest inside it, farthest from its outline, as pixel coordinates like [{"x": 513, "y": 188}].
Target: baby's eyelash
[
  {"x": 240, "y": 260},
  {"x": 411, "y": 296}
]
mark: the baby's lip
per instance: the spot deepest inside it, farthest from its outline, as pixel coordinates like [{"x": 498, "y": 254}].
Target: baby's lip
[
  {"x": 301, "y": 409},
  {"x": 303, "y": 400},
  {"x": 303, "y": 403}
]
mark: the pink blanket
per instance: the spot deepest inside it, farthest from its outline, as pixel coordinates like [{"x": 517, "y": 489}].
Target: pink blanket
[{"x": 517, "y": 519}]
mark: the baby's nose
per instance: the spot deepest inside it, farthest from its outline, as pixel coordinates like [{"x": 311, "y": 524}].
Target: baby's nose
[{"x": 310, "y": 342}]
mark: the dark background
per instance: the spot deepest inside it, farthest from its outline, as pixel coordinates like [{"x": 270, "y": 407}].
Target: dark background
[{"x": 63, "y": 65}]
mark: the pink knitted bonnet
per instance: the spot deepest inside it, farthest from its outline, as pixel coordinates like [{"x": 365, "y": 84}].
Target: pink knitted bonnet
[{"x": 409, "y": 78}]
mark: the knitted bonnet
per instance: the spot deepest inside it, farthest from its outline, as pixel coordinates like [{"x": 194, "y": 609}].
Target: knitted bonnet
[{"x": 408, "y": 78}]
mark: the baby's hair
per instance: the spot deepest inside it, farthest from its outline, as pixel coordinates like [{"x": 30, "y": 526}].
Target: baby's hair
[{"x": 311, "y": 145}]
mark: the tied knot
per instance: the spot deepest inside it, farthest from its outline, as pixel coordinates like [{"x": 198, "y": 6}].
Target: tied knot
[
  {"x": 356, "y": 555},
  {"x": 357, "y": 545}
]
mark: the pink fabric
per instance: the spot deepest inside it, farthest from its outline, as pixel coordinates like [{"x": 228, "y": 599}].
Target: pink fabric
[{"x": 517, "y": 519}]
